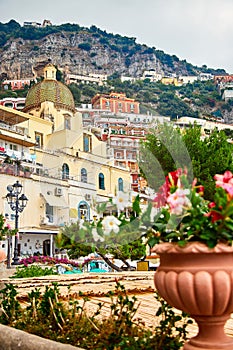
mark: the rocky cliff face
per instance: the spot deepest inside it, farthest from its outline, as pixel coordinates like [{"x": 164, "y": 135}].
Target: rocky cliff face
[{"x": 19, "y": 58}]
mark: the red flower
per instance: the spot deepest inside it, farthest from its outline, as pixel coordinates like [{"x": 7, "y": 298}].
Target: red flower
[
  {"x": 215, "y": 216},
  {"x": 200, "y": 189},
  {"x": 211, "y": 205},
  {"x": 174, "y": 176}
]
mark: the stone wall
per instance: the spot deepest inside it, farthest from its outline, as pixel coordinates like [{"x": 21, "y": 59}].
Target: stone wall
[{"x": 12, "y": 339}]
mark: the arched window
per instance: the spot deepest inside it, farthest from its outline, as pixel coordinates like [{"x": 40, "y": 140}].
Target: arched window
[
  {"x": 120, "y": 184},
  {"x": 65, "y": 171},
  {"x": 83, "y": 175},
  {"x": 101, "y": 181},
  {"x": 84, "y": 211}
]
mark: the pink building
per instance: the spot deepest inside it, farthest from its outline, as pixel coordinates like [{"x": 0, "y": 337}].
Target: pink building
[
  {"x": 116, "y": 103},
  {"x": 16, "y": 84}
]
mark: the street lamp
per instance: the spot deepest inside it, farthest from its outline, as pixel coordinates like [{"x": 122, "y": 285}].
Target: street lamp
[{"x": 17, "y": 203}]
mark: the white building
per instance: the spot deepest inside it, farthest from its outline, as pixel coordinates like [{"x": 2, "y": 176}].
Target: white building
[
  {"x": 152, "y": 75},
  {"x": 98, "y": 79},
  {"x": 227, "y": 95},
  {"x": 187, "y": 79}
]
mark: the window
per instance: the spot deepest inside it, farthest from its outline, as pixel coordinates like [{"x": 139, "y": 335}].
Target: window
[
  {"x": 83, "y": 211},
  {"x": 67, "y": 124},
  {"x": 101, "y": 182},
  {"x": 120, "y": 184},
  {"x": 83, "y": 175},
  {"x": 39, "y": 139},
  {"x": 9, "y": 104},
  {"x": 87, "y": 143},
  {"x": 49, "y": 213},
  {"x": 119, "y": 155},
  {"x": 13, "y": 147},
  {"x": 65, "y": 171}
]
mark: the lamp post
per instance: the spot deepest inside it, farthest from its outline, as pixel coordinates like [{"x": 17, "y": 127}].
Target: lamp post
[{"x": 17, "y": 203}]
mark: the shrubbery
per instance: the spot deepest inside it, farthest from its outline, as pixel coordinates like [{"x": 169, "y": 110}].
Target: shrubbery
[
  {"x": 47, "y": 260},
  {"x": 33, "y": 271},
  {"x": 47, "y": 315}
]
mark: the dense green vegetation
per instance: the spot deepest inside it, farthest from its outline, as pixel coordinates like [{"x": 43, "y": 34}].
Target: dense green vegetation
[
  {"x": 167, "y": 149},
  {"x": 33, "y": 271},
  {"x": 200, "y": 99},
  {"x": 12, "y": 29}
]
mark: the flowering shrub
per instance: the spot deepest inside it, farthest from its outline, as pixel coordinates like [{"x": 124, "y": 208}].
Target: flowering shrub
[
  {"x": 48, "y": 260},
  {"x": 5, "y": 229},
  {"x": 121, "y": 227},
  {"x": 187, "y": 216},
  {"x": 180, "y": 214}
]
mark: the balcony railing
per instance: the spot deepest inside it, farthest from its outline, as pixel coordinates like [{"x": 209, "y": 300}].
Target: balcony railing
[
  {"x": 16, "y": 129},
  {"x": 13, "y": 169},
  {"x": 52, "y": 220}
]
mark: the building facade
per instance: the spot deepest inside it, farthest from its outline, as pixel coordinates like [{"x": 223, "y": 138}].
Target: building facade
[
  {"x": 116, "y": 103},
  {"x": 16, "y": 84},
  {"x": 99, "y": 79},
  {"x": 63, "y": 167}
]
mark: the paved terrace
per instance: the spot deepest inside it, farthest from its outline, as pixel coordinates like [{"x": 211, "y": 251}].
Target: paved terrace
[{"x": 95, "y": 286}]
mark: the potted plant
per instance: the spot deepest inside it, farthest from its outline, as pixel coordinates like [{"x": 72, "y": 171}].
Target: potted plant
[
  {"x": 194, "y": 240},
  {"x": 27, "y": 172}
]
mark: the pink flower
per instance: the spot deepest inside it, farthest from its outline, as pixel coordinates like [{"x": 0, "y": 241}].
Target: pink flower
[
  {"x": 161, "y": 196},
  {"x": 225, "y": 181},
  {"x": 178, "y": 201},
  {"x": 171, "y": 180}
]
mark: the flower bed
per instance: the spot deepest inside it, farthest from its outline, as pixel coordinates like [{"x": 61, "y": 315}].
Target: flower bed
[{"x": 50, "y": 261}]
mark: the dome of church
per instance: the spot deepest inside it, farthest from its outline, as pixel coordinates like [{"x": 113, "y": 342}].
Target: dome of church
[{"x": 49, "y": 90}]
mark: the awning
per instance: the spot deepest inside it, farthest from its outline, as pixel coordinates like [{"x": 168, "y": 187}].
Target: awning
[
  {"x": 55, "y": 201},
  {"x": 38, "y": 231},
  {"x": 11, "y": 116}
]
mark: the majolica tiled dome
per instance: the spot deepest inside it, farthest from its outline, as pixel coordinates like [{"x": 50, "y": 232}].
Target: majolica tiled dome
[{"x": 49, "y": 90}]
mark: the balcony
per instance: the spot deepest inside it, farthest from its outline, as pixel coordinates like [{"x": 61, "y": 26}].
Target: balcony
[
  {"x": 16, "y": 129},
  {"x": 15, "y": 134},
  {"x": 52, "y": 220},
  {"x": 13, "y": 169}
]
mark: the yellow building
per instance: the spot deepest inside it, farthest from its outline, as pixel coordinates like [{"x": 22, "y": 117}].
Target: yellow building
[
  {"x": 170, "y": 81},
  {"x": 64, "y": 168}
]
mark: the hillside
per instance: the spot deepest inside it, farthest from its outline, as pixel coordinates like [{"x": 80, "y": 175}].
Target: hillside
[{"x": 76, "y": 49}]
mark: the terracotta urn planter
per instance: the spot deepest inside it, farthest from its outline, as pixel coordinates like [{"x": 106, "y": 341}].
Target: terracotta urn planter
[
  {"x": 199, "y": 280},
  {"x": 2, "y": 262}
]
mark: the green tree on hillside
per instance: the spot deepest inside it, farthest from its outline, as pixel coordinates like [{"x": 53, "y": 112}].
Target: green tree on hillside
[{"x": 166, "y": 149}]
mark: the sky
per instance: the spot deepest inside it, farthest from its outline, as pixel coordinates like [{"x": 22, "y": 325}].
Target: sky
[{"x": 200, "y": 31}]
